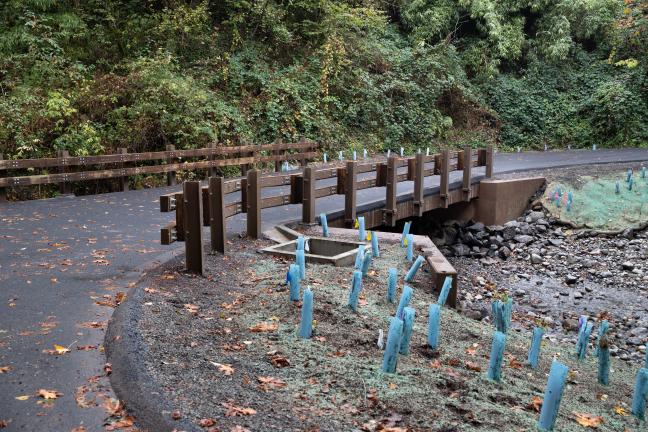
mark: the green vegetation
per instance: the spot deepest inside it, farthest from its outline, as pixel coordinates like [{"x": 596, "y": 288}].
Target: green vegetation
[{"x": 95, "y": 75}]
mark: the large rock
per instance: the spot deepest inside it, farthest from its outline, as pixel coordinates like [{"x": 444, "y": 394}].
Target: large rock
[
  {"x": 476, "y": 227},
  {"x": 523, "y": 239},
  {"x": 536, "y": 215},
  {"x": 460, "y": 249}
]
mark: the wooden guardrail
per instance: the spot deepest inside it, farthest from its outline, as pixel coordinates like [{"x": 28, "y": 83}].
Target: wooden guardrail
[
  {"x": 215, "y": 209},
  {"x": 215, "y": 156}
]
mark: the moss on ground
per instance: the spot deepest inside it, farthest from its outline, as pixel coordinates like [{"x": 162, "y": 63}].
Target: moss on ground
[
  {"x": 339, "y": 369},
  {"x": 596, "y": 205}
]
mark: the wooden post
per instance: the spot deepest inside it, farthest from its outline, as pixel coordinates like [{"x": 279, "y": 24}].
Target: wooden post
[
  {"x": 217, "y": 227},
  {"x": 277, "y": 153},
  {"x": 308, "y": 206},
  {"x": 445, "y": 178},
  {"x": 489, "y": 161},
  {"x": 302, "y": 161},
  {"x": 205, "y": 207},
  {"x": 3, "y": 191},
  {"x": 253, "y": 204},
  {"x": 64, "y": 186},
  {"x": 411, "y": 168},
  {"x": 192, "y": 203},
  {"x": 389, "y": 213},
  {"x": 350, "y": 192},
  {"x": 211, "y": 172},
  {"x": 296, "y": 189},
  {"x": 180, "y": 219},
  {"x": 419, "y": 184},
  {"x": 381, "y": 174},
  {"x": 467, "y": 171},
  {"x": 123, "y": 180},
  {"x": 171, "y": 175},
  {"x": 244, "y": 192}
]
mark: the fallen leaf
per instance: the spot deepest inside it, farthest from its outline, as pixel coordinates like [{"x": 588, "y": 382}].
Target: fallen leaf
[
  {"x": 86, "y": 347},
  {"x": 620, "y": 410},
  {"x": 48, "y": 394},
  {"x": 238, "y": 428},
  {"x": 4, "y": 424},
  {"x": 472, "y": 350},
  {"x": 270, "y": 383},
  {"x": 22, "y": 398},
  {"x": 4, "y": 369},
  {"x": 535, "y": 404},
  {"x": 473, "y": 366},
  {"x": 233, "y": 410},
  {"x": 435, "y": 364},
  {"x": 453, "y": 362},
  {"x": 191, "y": 308},
  {"x": 588, "y": 420},
  {"x": 278, "y": 360},
  {"x": 79, "y": 429},
  {"x": 91, "y": 324},
  {"x": 175, "y": 415},
  {"x": 122, "y": 423},
  {"x": 79, "y": 397},
  {"x": 514, "y": 363},
  {"x": 206, "y": 422},
  {"x": 108, "y": 368},
  {"x": 264, "y": 327},
  {"x": 227, "y": 369},
  {"x": 113, "y": 407}
]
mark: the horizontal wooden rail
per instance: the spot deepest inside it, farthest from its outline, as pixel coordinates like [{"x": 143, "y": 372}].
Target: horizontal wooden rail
[
  {"x": 159, "y": 155},
  {"x": 152, "y": 169}
]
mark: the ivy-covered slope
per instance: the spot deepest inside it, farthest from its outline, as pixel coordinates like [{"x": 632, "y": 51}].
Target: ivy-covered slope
[{"x": 99, "y": 74}]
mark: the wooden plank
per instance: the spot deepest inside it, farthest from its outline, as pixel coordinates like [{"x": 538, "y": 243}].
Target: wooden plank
[
  {"x": 233, "y": 208},
  {"x": 350, "y": 195},
  {"x": 171, "y": 159},
  {"x": 419, "y": 184},
  {"x": 168, "y": 202},
  {"x": 445, "y": 177},
  {"x": 152, "y": 169},
  {"x": 192, "y": 203},
  {"x": 204, "y": 191},
  {"x": 296, "y": 189},
  {"x": 64, "y": 185},
  {"x": 467, "y": 171},
  {"x": 366, "y": 184},
  {"x": 170, "y": 153},
  {"x": 326, "y": 173},
  {"x": 308, "y": 203},
  {"x": 123, "y": 180},
  {"x": 390, "y": 215},
  {"x": 217, "y": 218},
  {"x": 180, "y": 231},
  {"x": 326, "y": 191},
  {"x": 275, "y": 201},
  {"x": 168, "y": 234},
  {"x": 489, "y": 161},
  {"x": 253, "y": 204}
]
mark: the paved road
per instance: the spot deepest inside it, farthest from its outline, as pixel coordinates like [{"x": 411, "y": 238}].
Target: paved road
[{"x": 60, "y": 257}]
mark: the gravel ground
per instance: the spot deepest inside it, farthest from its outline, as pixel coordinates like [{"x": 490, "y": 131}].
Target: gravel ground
[
  {"x": 553, "y": 272},
  {"x": 225, "y": 351}
]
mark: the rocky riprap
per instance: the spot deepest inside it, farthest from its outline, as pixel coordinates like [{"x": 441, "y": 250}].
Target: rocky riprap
[{"x": 554, "y": 273}]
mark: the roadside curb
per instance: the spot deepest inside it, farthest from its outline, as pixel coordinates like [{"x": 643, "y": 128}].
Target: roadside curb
[{"x": 131, "y": 382}]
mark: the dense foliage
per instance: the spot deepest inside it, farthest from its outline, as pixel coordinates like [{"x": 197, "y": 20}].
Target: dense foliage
[{"x": 99, "y": 74}]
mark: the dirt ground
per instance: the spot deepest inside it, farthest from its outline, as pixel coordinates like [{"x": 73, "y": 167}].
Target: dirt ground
[{"x": 225, "y": 350}]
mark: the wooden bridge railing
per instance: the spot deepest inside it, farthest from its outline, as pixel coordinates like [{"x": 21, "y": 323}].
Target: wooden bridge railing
[
  {"x": 214, "y": 208},
  {"x": 167, "y": 162}
]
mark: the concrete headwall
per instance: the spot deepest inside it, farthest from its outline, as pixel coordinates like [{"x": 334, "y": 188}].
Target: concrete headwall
[{"x": 503, "y": 200}]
